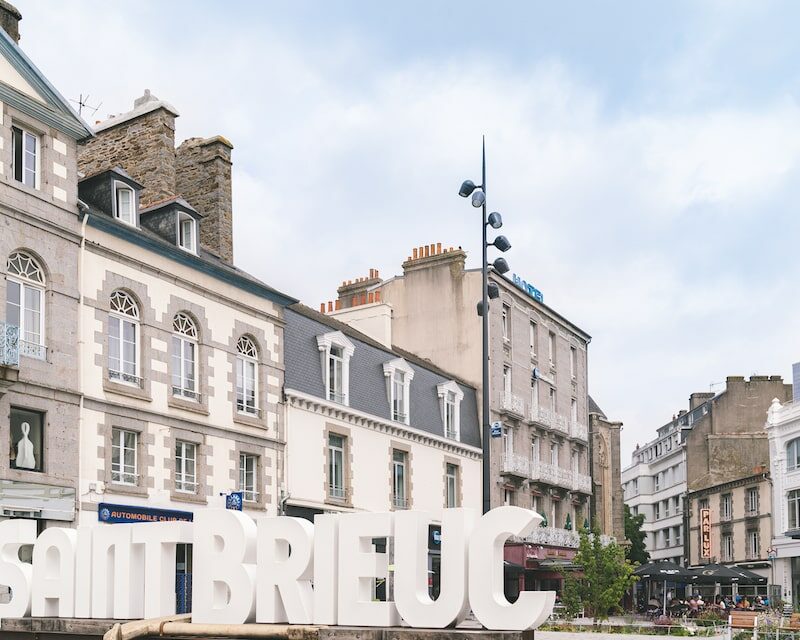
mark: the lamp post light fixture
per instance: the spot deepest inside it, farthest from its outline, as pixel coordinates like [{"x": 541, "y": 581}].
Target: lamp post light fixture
[{"x": 488, "y": 291}]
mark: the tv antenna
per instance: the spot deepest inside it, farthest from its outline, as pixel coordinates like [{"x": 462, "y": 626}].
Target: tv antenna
[{"x": 83, "y": 103}]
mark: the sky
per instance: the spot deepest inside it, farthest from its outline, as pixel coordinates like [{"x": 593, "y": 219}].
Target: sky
[{"x": 645, "y": 156}]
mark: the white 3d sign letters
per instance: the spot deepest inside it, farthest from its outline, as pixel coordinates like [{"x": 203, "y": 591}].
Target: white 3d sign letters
[{"x": 246, "y": 571}]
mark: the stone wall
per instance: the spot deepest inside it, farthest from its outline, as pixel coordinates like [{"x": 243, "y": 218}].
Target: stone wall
[
  {"x": 730, "y": 440},
  {"x": 607, "y": 499},
  {"x": 143, "y": 146},
  {"x": 203, "y": 178}
]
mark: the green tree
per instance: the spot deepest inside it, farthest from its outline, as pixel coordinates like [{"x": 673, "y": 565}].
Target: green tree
[
  {"x": 636, "y": 552},
  {"x": 607, "y": 575}
]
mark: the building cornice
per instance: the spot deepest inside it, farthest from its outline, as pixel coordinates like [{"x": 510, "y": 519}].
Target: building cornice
[
  {"x": 328, "y": 409},
  {"x": 733, "y": 484}
]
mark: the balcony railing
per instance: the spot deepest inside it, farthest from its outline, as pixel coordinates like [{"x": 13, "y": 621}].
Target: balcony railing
[
  {"x": 560, "y": 424},
  {"x": 581, "y": 482},
  {"x": 556, "y": 537},
  {"x": 578, "y": 431},
  {"x": 513, "y": 404},
  {"x": 399, "y": 502},
  {"x": 32, "y": 349},
  {"x": 125, "y": 377},
  {"x": 9, "y": 345},
  {"x": 516, "y": 465},
  {"x": 552, "y": 474},
  {"x": 541, "y": 416}
]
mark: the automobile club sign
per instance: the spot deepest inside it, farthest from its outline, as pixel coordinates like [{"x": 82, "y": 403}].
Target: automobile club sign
[{"x": 274, "y": 570}]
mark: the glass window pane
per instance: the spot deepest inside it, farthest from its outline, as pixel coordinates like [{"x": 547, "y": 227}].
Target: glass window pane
[{"x": 27, "y": 438}]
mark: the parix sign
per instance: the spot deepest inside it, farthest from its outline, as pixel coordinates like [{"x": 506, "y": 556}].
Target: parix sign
[{"x": 244, "y": 571}]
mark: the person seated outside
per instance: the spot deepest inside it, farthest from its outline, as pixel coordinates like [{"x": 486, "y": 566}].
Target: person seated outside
[
  {"x": 721, "y": 604},
  {"x": 693, "y": 607},
  {"x": 700, "y": 602}
]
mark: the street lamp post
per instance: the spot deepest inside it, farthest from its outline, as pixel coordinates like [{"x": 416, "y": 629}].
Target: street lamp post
[{"x": 478, "y": 193}]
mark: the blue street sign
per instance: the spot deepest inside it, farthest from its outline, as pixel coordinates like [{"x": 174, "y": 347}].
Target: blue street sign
[
  {"x": 497, "y": 429},
  {"x": 234, "y": 501},
  {"x": 113, "y": 513}
]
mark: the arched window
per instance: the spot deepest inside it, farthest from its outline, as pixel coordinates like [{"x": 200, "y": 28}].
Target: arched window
[
  {"x": 25, "y": 303},
  {"x": 123, "y": 339},
  {"x": 793, "y": 455},
  {"x": 184, "y": 357},
  {"x": 246, "y": 376}
]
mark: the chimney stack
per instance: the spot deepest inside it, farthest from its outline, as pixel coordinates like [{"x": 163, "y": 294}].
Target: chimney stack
[
  {"x": 433, "y": 255},
  {"x": 142, "y": 142},
  {"x": 9, "y": 19},
  {"x": 203, "y": 178},
  {"x": 356, "y": 292}
]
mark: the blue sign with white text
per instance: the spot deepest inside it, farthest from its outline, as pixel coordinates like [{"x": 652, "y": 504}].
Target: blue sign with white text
[
  {"x": 114, "y": 513},
  {"x": 532, "y": 291},
  {"x": 497, "y": 429}
]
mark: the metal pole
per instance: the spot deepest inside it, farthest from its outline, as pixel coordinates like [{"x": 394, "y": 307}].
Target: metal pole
[{"x": 487, "y": 500}]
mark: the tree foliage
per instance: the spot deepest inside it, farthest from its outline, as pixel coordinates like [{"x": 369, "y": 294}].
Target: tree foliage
[
  {"x": 636, "y": 552},
  {"x": 607, "y": 575}
]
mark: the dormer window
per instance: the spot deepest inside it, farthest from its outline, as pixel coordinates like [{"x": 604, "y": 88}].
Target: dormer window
[
  {"x": 450, "y": 396},
  {"x": 187, "y": 233},
  {"x": 398, "y": 375},
  {"x": 335, "y": 353},
  {"x": 125, "y": 203}
]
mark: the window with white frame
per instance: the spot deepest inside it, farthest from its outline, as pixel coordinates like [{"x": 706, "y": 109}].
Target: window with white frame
[
  {"x": 752, "y": 500},
  {"x": 535, "y": 454},
  {"x": 573, "y": 411},
  {"x": 124, "y": 203},
  {"x": 551, "y": 348},
  {"x": 124, "y": 456},
  {"x": 573, "y": 362},
  {"x": 657, "y": 510},
  {"x": 185, "y": 467},
  {"x": 187, "y": 232},
  {"x": 726, "y": 550},
  {"x": 184, "y": 357},
  {"x": 505, "y": 319},
  {"x": 509, "y": 500},
  {"x": 667, "y": 537},
  {"x": 25, "y": 159},
  {"x": 793, "y": 509},
  {"x": 507, "y": 380},
  {"x": 451, "y": 486},
  {"x": 508, "y": 440},
  {"x": 554, "y": 454},
  {"x": 123, "y": 339},
  {"x": 533, "y": 338},
  {"x": 657, "y": 481},
  {"x": 248, "y": 476},
  {"x": 753, "y": 544},
  {"x": 666, "y": 508},
  {"x": 336, "y": 462},
  {"x": 398, "y": 375},
  {"x": 552, "y": 399},
  {"x": 450, "y": 396},
  {"x": 793, "y": 455},
  {"x": 534, "y": 397},
  {"x": 246, "y": 376},
  {"x": 25, "y": 303},
  {"x": 726, "y": 507},
  {"x": 399, "y": 479},
  {"x": 335, "y": 353},
  {"x": 575, "y": 462}
]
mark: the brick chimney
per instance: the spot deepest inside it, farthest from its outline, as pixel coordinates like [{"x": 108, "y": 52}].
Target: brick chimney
[
  {"x": 142, "y": 142},
  {"x": 432, "y": 256},
  {"x": 357, "y": 292},
  {"x": 203, "y": 178},
  {"x": 9, "y": 19}
]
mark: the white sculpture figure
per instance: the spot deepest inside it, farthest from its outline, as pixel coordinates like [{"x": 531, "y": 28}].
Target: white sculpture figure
[{"x": 25, "y": 457}]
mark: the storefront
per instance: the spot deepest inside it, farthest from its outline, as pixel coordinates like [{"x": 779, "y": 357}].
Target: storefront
[{"x": 532, "y": 567}]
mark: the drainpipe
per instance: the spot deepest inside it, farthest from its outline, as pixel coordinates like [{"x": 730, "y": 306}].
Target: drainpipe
[{"x": 84, "y": 212}]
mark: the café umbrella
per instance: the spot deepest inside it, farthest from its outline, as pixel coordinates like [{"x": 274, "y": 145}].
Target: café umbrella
[
  {"x": 663, "y": 571},
  {"x": 715, "y": 574}
]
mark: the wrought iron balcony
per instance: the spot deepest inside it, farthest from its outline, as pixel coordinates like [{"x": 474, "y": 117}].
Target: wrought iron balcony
[
  {"x": 513, "y": 404},
  {"x": 128, "y": 378},
  {"x": 516, "y": 465},
  {"x": 399, "y": 502},
  {"x": 9, "y": 345}
]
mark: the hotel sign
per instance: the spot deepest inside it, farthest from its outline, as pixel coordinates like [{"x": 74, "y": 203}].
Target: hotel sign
[
  {"x": 532, "y": 291},
  {"x": 705, "y": 533},
  {"x": 244, "y": 571}
]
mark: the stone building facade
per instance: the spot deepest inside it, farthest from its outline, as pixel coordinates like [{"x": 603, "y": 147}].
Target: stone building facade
[
  {"x": 608, "y": 506},
  {"x": 538, "y": 381},
  {"x": 39, "y": 247},
  {"x": 783, "y": 429}
]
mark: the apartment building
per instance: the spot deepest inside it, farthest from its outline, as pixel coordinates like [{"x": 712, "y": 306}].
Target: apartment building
[
  {"x": 783, "y": 429},
  {"x": 39, "y": 247},
  {"x": 538, "y": 381},
  {"x": 654, "y": 485},
  {"x": 718, "y": 445},
  {"x": 373, "y": 428}
]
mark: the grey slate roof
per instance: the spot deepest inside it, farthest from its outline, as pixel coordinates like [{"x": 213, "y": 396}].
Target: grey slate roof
[
  {"x": 367, "y": 382},
  {"x": 593, "y": 408}
]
